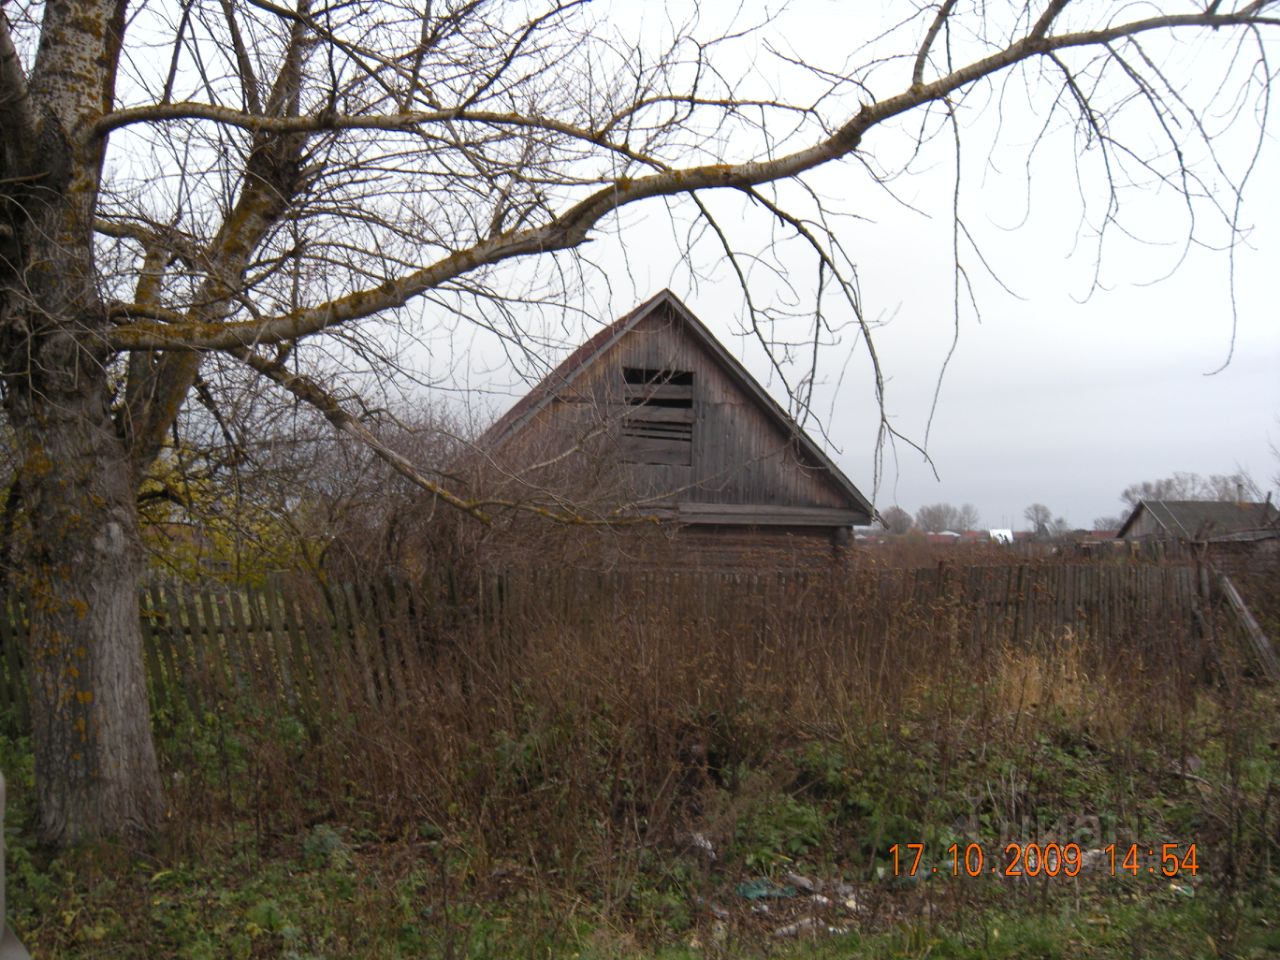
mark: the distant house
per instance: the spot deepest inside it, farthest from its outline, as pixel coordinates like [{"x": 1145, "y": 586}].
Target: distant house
[
  {"x": 942, "y": 537},
  {"x": 653, "y": 417},
  {"x": 1195, "y": 520}
]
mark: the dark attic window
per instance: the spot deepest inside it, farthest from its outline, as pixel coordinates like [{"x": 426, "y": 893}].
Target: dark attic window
[{"x": 657, "y": 422}]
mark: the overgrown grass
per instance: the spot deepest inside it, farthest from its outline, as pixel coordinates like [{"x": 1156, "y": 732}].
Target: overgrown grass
[{"x": 581, "y": 788}]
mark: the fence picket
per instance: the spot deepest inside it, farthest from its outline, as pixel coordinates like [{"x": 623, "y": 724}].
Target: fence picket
[
  {"x": 301, "y": 653},
  {"x": 279, "y": 645},
  {"x": 159, "y": 683},
  {"x": 308, "y": 646},
  {"x": 180, "y": 651}
]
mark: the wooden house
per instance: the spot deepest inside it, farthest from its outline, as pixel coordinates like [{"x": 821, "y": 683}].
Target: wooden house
[
  {"x": 1195, "y": 520},
  {"x": 652, "y": 417}
]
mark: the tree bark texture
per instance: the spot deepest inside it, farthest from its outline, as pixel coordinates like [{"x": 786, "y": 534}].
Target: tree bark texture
[{"x": 96, "y": 772}]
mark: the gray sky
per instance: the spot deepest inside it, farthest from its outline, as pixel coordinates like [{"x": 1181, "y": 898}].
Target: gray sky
[{"x": 1057, "y": 395}]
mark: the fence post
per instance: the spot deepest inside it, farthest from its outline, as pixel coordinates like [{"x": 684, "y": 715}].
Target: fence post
[{"x": 1258, "y": 642}]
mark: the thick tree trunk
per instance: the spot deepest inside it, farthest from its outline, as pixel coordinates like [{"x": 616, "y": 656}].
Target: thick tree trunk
[{"x": 96, "y": 771}]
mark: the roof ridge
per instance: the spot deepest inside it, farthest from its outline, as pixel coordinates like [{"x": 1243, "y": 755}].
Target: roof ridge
[{"x": 565, "y": 372}]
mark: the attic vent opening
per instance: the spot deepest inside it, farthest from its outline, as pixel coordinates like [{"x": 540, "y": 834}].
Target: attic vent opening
[
  {"x": 657, "y": 422},
  {"x": 646, "y": 375}
]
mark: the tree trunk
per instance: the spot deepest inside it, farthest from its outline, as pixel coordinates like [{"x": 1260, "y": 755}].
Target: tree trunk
[{"x": 96, "y": 772}]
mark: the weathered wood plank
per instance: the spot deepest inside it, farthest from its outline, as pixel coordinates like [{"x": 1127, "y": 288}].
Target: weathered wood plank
[
  {"x": 317, "y": 626},
  {"x": 152, "y": 600},
  {"x": 231, "y": 645},
  {"x": 279, "y": 644},
  {"x": 390, "y": 639},
  {"x": 627, "y": 413},
  {"x": 656, "y": 450},
  {"x": 254, "y": 649},
  {"x": 1261, "y": 647},
  {"x": 213, "y": 660},
  {"x": 158, "y": 682},
  {"x": 183, "y": 656},
  {"x": 639, "y": 393},
  {"x": 357, "y": 678},
  {"x": 302, "y": 652},
  {"x": 375, "y": 679}
]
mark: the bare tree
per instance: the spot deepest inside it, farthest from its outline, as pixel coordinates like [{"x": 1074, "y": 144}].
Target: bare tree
[
  {"x": 967, "y": 517},
  {"x": 293, "y": 495},
  {"x": 184, "y": 188},
  {"x": 934, "y": 517},
  {"x": 896, "y": 520},
  {"x": 1192, "y": 486},
  {"x": 945, "y": 516},
  {"x": 1041, "y": 519}
]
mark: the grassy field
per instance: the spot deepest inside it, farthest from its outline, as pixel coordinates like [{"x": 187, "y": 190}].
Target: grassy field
[{"x": 639, "y": 794}]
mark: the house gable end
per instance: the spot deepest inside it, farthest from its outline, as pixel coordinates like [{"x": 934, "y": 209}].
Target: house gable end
[{"x": 696, "y": 435}]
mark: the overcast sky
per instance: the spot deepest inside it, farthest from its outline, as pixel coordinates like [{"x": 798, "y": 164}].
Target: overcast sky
[{"x": 1060, "y": 393}]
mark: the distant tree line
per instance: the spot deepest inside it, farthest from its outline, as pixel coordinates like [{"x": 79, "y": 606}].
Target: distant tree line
[
  {"x": 931, "y": 518},
  {"x": 1182, "y": 485}
]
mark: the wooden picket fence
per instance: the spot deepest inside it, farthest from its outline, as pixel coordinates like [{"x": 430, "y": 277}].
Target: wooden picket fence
[
  {"x": 310, "y": 648},
  {"x": 291, "y": 641}
]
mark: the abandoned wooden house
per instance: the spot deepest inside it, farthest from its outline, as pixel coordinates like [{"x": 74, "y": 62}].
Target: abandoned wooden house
[
  {"x": 1195, "y": 520},
  {"x": 1236, "y": 537},
  {"x": 652, "y": 419}
]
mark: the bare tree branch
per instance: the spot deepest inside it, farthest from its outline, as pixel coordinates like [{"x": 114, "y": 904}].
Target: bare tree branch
[
  {"x": 571, "y": 227},
  {"x": 17, "y": 122},
  {"x": 922, "y": 56},
  {"x": 152, "y": 236},
  {"x": 1050, "y": 14},
  {"x": 309, "y": 391},
  {"x": 248, "y": 77}
]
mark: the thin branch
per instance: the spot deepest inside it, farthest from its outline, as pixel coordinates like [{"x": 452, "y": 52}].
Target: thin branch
[
  {"x": 411, "y": 122},
  {"x": 248, "y": 79},
  {"x": 181, "y": 245},
  {"x": 1028, "y": 46},
  {"x": 310, "y": 392},
  {"x": 513, "y": 51},
  {"x": 17, "y": 123},
  {"x": 314, "y": 395},
  {"x": 944, "y": 11}
]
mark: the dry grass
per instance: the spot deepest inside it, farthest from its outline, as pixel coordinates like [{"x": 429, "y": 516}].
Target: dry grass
[
  {"x": 575, "y": 736},
  {"x": 556, "y": 760}
]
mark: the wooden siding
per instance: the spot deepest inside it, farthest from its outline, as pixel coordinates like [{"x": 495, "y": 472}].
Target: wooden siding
[
  {"x": 1145, "y": 525},
  {"x": 740, "y": 455}
]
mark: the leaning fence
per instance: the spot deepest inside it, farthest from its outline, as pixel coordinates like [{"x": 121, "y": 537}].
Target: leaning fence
[{"x": 313, "y": 647}]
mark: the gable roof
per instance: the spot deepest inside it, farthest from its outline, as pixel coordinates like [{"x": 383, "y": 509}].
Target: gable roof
[
  {"x": 1201, "y": 519},
  {"x": 573, "y": 366}
]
